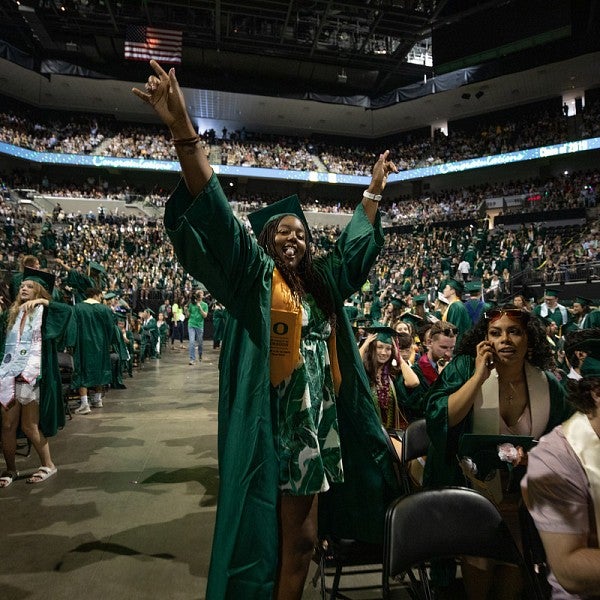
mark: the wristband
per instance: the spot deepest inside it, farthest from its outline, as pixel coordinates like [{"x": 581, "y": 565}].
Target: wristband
[
  {"x": 369, "y": 196},
  {"x": 191, "y": 141}
]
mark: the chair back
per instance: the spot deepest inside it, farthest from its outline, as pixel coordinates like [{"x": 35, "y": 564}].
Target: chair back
[
  {"x": 444, "y": 523},
  {"x": 415, "y": 442}
]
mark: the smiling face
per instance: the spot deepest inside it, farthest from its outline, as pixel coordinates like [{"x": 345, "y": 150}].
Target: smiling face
[
  {"x": 402, "y": 327},
  {"x": 290, "y": 241},
  {"x": 509, "y": 340},
  {"x": 383, "y": 352}
]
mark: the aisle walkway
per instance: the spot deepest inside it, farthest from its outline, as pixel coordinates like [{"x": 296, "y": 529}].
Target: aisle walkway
[{"x": 131, "y": 511}]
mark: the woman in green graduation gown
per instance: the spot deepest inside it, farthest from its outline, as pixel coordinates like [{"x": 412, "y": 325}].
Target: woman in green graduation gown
[
  {"x": 30, "y": 330},
  {"x": 496, "y": 384},
  {"x": 296, "y": 421}
]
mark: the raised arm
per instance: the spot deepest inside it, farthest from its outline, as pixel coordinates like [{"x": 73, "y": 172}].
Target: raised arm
[
  {"x": 166, "y": 98},
  {"x": 382, "y": 168}
]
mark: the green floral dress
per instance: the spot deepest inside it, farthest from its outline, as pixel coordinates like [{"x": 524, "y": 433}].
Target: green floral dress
[{"x": 310, "y": 457}]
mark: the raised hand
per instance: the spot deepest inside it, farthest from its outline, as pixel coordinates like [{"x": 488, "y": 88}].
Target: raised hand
[
  {"x": 382, "y": 168},
  {"x": 166, "y": 98}
]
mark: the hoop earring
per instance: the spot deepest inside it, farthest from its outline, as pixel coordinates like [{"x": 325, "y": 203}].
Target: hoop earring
[{"x": 529, "y": 354}]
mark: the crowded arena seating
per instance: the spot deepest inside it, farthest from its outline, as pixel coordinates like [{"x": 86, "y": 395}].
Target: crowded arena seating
[{"x": 104, "y": 136}]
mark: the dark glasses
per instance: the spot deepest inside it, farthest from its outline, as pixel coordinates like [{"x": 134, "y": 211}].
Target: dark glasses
[
  {"x": 496, "y": 313},
  {"x": 447, "y": 330}
]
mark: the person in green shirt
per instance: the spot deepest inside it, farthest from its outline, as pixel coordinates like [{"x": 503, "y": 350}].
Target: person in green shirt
[
  {"x": 292, "y": 389},
  {"x": 196, "y": 311}
]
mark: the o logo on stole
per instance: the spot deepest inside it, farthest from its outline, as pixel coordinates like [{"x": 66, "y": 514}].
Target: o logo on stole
[{"x": 280, "y": 328}]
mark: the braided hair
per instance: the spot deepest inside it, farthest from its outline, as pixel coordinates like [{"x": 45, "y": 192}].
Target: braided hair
[{"x": 303, "y": 280}]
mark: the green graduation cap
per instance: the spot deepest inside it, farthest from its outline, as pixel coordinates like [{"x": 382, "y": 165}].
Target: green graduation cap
[
  {"x": 591, "y": 346},
  {"x": 473, "y": 286},
  {"x": 361, "y": 322},
  {"x": 45, "y": 279},
  {"x": 109, "y": 295},
  {"x": 420, "y": 299},
  {"x": 583, "y": 301},
  {"x": 590, "y": 366},
  {"x": 411, "y": 318},
  {"x": 457, "y": 285},
  {"x": 384, "y": 333},
  {"x": 397, "y": 302},
  {"x": 120, "y": 316},
  {"x": 94, "y": 266},
  {"x": 286, "y": 206},
  {"x": 550, "y": 292}
]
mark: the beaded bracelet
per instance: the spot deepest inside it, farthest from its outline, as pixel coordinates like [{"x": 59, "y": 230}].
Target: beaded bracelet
[{"x": 191, "y": 141}]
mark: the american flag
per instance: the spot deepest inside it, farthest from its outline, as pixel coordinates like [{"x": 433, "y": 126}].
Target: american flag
[{"x": 144, "y": 43}]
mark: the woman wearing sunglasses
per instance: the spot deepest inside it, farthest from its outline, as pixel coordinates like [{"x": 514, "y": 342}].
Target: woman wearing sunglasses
[{"x": 497, "y": 384}]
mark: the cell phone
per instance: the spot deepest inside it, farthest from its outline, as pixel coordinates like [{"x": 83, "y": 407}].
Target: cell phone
[{"x": 489, "y": 363}]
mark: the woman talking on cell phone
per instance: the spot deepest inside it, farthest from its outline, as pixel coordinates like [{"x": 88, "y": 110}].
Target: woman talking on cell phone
[{"x": 496, "y": 384}]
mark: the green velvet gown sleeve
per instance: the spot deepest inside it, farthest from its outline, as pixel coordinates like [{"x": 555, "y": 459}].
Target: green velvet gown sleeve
[
  {"x": 441, "y": 468},
  {"x": 79, "y": 283},
  {"x": 57, "y": 317},
  {"x": 356, "y": 508},
  {"x": 215, "y": 248}
]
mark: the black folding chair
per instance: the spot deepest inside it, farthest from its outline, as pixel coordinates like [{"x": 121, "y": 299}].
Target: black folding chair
[
  {"x": 443, "y": 524},
  {"x": 534, "y": 553},
  {"x": 415, "y": 444},
  {"x": 66, "y": 367},
  {"x": 353, "y": 558}
]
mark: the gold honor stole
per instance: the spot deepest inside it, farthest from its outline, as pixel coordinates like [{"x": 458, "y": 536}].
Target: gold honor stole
[
  {"x": 445, "y": 315},
  {"x": 586, "y": 445},
  {"x": 286, "y": 331}
]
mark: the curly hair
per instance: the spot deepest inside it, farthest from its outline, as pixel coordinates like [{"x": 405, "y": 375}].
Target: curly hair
[
  {"x": 539, "y": 350},
  {"x": 580, "y": 394},
  {"x": 303, "y": 280}
]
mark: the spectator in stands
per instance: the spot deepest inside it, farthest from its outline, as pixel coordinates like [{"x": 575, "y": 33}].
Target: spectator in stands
[
  {"x": 31, "y": 329},
  {"x": 562, "y": 487}
]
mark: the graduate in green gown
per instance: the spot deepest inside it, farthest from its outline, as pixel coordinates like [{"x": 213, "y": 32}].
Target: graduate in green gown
[
  {"x": 496, "y": 384},
  {"x": 27, "y": 398},
  {"x": 296, "y": 420},
  {"x": 96, "y": 334},
  {"x": 149, "y": 335},
  {"x": 219, "y": 315}
]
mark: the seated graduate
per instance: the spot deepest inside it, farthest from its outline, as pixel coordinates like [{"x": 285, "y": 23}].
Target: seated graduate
[
  {"x": 495, "y": 384},
  {"x": 562, "y": 487}
]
